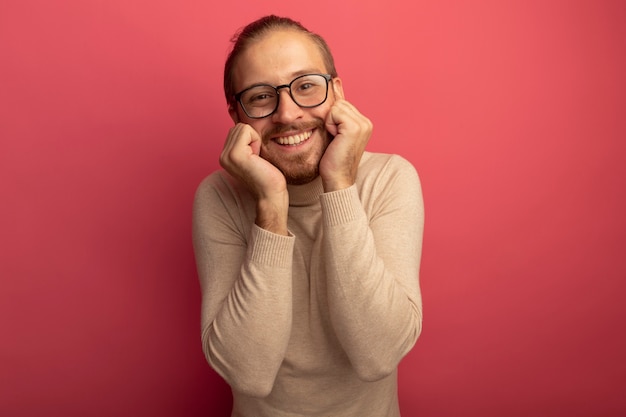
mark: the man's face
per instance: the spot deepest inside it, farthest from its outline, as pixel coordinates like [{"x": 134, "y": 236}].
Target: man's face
[{"x": 293, "y": 138}]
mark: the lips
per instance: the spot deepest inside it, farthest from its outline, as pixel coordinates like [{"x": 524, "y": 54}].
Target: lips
[{"x": 294, "y": 139}]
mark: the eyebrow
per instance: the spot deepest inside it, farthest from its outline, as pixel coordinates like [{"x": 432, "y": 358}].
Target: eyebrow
[{"x": 293, "y": 76}]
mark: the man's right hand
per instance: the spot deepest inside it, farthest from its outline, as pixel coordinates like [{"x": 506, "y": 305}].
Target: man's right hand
[{"x": 241, "y": 159}]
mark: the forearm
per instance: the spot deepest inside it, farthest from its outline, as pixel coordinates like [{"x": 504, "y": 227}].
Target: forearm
[
  {"x": 247, "y": 340},
  {"x": 245, "y": 278},
  {"x": 373, "y": 291}
]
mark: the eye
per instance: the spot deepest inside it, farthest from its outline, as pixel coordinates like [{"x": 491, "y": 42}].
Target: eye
[
  {"x": 259, "y": 97},
  {"x": 306, "y": 87}
]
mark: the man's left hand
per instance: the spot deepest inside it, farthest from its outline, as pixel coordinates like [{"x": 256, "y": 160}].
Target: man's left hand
[{"x": 352, "y": 130}]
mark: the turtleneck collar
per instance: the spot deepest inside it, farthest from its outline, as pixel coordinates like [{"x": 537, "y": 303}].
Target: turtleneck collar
[{"x": 306, "y": 194}]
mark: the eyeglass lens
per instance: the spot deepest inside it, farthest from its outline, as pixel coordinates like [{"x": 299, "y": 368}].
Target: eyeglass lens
[{"x": 306, "y": 91}]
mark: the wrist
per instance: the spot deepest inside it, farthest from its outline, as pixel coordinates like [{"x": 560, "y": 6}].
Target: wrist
[
  {"x": 336, "y": 184},
  {"x": 272, "y": 214}
]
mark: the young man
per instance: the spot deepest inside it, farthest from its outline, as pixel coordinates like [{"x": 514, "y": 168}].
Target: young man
[{"x": 307, "y": 246}]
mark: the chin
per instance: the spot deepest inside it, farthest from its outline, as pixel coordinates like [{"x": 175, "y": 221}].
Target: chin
[
  {"x": 301, "y": 179},
  {"x": 303, "y": 168},
  {"x": 300, "y": 172}
]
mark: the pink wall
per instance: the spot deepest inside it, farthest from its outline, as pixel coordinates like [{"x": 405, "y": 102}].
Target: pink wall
[{"x": 514, "y": 113}]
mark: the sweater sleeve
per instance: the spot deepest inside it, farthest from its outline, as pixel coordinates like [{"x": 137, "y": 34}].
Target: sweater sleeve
[
  {"x": 245, "y": 277},
  {"x": 372, "y": 262}
]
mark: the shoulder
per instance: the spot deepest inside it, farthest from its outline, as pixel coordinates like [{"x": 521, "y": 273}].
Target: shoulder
[
  {"x": 219, "y": 182},
  {"x": 222, "y": 205},
  {"x": 388, "y": 182},
  {"x": 220, "y": 188},
  {"x": 387, "y": 176},
  {"x": 386, "y": 165}
]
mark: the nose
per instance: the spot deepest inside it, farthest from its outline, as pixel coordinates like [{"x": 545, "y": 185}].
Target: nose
[{"x": 287, "y": 110}]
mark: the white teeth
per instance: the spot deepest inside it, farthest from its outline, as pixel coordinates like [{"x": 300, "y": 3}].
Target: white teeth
[{"x": 294, "y": 139}]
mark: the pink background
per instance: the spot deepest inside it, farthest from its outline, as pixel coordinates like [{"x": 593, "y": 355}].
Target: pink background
[{"x": 513, "y": 112}]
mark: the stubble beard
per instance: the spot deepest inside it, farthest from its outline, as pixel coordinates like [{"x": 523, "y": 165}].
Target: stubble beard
[{"x": 300, "y": 169}]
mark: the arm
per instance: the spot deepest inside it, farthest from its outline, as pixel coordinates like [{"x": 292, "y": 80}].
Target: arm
[
  {"x": 244, "y": 255},
  {"x": 245, "y": 278},
  {"x": 372, "y": 245},
  {"x": 373, "y": 268}
]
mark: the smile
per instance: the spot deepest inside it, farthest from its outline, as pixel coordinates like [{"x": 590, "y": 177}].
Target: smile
[{"x": 294, "y": 139}]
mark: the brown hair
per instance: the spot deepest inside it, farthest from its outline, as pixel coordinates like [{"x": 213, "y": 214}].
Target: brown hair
[{"x": 247, "y": 35}]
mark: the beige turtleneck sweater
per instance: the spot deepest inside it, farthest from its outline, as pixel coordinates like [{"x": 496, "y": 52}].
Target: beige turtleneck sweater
[{"x": 314, "y": 323}]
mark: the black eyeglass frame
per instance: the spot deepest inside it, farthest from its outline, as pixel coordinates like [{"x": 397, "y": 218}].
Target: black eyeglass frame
[{"x": 237, "y": 96}]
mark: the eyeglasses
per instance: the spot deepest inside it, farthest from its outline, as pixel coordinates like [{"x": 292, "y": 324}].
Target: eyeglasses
[{"x": 261, "y": 100}]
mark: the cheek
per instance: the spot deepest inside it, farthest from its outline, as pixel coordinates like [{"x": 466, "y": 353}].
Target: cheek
[
  {"x": 322, "y": 111},
  {"x": 261, "y": 126}
]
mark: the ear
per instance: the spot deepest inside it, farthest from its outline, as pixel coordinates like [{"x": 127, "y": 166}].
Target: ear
[
  {"x": 338, "y": 88},
  {"x": 232, "y": 111}
]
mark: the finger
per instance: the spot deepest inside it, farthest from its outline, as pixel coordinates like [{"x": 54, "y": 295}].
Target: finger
[
  {"x": 254, "y": 140},
  {"x": 236, "y": 145},
  {"x": 330, "y": 123},
  {"x": 343, "y": 118},
  {"x": 359, "y": 122}
]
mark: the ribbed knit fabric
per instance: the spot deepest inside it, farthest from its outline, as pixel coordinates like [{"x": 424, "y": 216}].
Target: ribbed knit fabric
[{"x": 314, "y": 323}]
